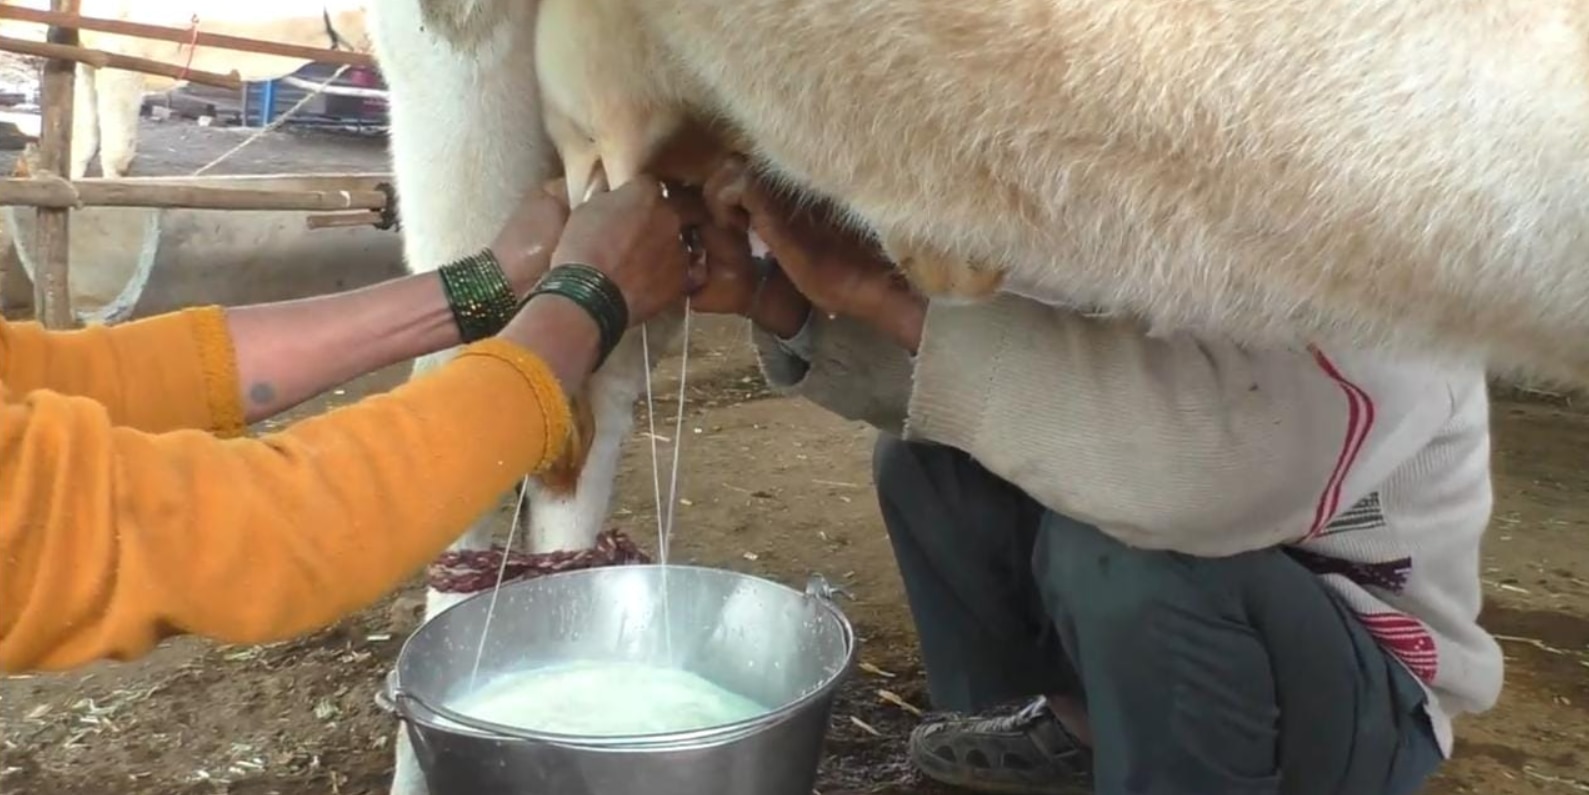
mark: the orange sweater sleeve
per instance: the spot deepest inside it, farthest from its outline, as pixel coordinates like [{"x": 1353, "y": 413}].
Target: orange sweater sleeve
[
  {"x": 160, "y": 373},
  {"x": 112, "y": 539}
]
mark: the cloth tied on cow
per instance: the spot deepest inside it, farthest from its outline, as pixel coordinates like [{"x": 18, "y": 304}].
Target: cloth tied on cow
[{"x": 467, "y": 571}]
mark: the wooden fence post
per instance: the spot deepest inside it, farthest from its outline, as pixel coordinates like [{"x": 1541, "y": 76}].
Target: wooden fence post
[{"x": 52, "y": 294}]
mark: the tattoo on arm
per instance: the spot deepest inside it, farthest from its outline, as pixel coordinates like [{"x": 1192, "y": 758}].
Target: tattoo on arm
[{"x": 262, "y": 394}]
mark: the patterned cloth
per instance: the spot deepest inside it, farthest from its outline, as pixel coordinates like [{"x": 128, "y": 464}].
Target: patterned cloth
[{"x": 476, "y": 570}]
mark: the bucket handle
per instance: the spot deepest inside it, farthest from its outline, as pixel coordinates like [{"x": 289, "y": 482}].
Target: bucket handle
[
  {"x": 818, "y": 587},
  {"x": 386, "y": 695}
]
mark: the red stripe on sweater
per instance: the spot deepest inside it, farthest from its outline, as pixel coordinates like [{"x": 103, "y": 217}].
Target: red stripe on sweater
[
  {"x": 1407, "y": 639},
  {"x": 1359, "y": 421}
]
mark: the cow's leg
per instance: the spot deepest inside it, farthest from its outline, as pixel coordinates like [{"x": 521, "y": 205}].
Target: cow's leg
[
  {"x": 85, "y": 121},
  {"x": 568, "y": 507},
  {"x": 120, "y": 97},
  {"x": 563, "y": 518},
  {"x": 466, "y": 143}
]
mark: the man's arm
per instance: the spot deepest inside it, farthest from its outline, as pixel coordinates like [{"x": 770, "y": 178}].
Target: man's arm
[
  {"x": 841, "y": 365},
  {"x": 1169, "y": 442},
  {"x": 1165, "y": 442}
]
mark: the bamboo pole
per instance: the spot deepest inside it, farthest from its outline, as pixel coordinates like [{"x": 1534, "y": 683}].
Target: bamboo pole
[
  {"x": 52, "y": 294},
  {"x": 111, "y": 60},
  {"x": 60, "y": 194},
  {"x": 185, "y": 36},
  {"x": 341, "y": 220}
]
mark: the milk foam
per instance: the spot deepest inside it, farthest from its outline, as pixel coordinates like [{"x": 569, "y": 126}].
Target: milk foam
[{"x": 605, "y": 699}]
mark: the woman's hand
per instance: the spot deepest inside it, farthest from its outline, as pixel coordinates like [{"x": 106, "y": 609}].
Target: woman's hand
[
  {"x": 524, "y": 246},
  {"x": 635, "y": 235}
]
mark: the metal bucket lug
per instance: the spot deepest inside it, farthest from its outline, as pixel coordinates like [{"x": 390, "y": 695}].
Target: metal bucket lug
[{"x": 819, "y": 587}]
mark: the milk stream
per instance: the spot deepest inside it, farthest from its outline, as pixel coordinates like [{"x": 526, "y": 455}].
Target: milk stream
[
  {"x": 664, "y": 519},
  {"x": 606, "y": 699}
]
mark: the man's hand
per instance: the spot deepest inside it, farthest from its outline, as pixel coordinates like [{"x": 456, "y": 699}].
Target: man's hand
[
  {"x": 839, "y": 271},
  {"x": 836, "y": 270}
]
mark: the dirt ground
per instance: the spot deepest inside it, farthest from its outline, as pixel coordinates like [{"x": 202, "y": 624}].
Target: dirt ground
[{"x": 772, "y": 486}]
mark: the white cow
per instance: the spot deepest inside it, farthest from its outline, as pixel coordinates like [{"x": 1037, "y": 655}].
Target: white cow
[
  {"x": 1408, "y": 174},
  {"x": 106, "y": 102},
  {"x": 466, "y": 142},
  {"x": 1404, "y": 174}
]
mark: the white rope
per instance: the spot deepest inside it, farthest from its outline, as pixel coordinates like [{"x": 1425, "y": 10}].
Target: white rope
[{"x": 274, "y": 125}]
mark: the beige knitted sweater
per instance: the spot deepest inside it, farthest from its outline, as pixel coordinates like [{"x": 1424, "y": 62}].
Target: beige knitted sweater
[{"x": 1375, "y": 471}]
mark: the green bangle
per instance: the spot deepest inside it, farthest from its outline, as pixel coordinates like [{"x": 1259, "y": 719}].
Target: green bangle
[
  {"x": 595, "y": 293},
  {"x": 478, "y": 293}
]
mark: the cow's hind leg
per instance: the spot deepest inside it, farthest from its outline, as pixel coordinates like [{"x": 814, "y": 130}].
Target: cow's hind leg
[
  {"x": 120, "y": 98},
  {"x": 85, "y": 121},
  {"x": 572, "y": 501},
  {"x": 466, "y": 144}
]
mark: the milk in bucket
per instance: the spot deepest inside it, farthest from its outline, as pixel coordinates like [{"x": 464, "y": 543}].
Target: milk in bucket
[{"x": 606, "y": 699}]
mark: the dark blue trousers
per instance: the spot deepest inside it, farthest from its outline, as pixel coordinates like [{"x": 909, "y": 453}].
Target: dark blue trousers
[{"x": 1241, "y": 675}]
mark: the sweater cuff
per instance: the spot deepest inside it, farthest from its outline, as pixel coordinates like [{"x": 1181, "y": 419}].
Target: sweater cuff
[
  {"x": 783, "y": 369},
  {"x": 218, "y": 364},
  {"x": 555, "y": 412},
  {"x": 962, "y": 352}
]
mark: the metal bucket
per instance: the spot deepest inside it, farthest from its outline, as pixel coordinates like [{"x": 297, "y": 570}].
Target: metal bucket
[{"x": 760, "y": 639}]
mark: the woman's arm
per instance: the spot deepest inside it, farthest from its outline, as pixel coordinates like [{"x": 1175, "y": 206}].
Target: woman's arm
[
  {"x": 112, "y": 539},
  {"x": 217, "y": 370},
  {"x": 289, "y": 352},
  {"x": 160, "y": 373}
]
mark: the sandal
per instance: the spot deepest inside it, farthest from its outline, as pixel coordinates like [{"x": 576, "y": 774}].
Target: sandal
[{"x": 1026, "y": 753}]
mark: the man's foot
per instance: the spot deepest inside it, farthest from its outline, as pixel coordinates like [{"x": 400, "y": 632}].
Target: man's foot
[{"x": 1026, "y": 753}]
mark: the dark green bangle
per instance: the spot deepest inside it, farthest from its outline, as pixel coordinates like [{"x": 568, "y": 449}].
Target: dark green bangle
[
  {"x": 595, "y": 293},
  {"x": 478, "y": 293}
]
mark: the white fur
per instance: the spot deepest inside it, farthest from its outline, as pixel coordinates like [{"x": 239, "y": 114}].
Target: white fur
[
  {"x": 1405, "y": 174},
  {"x": 467, "y": 141},
  {"x": 1411, "y": 175},
  {"x": 106, "y": 102}
]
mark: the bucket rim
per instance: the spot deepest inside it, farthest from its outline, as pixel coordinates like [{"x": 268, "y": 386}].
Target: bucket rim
[{"x": 402, "y": 701}]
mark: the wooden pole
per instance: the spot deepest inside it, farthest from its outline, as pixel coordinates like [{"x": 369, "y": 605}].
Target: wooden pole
[
  {"x": 185, "y": 36},
  {"x": 52, "y": 294},
  {"x": 340, "y": 220},
  {"x": 59, "y": 194},
  {"x": 110, "y": 60}
]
